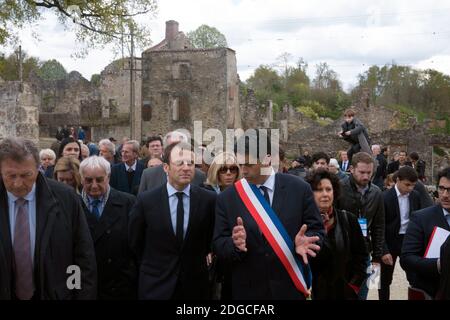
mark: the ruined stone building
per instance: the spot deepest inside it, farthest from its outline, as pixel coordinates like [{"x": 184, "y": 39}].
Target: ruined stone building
[{"x": 181, "y": 84}]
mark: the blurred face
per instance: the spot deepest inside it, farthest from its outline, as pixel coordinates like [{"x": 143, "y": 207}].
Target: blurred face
[
  {"x": 348, "y": 119},
  {"x": 402, "y": 157},
  {"x": 253, "y": 170},
  {"x": 66, "y": 177},
  {"x": 154, "y": 162},
  {"x": 47, "y": 161},
  {"x": 104, "y": 152},
  {"x": 19, "y": 177},
  {"x": 295, "y": 164},
  {"x": 181, "y": 169},
  {"x": 128, "y": 155},
  {"x": 84, "y": 152},
  {"x": 95, "y": 182},
  {"x": 155, "y": 149},
  {"x": 321, "y": 163},
  {"x": 333, "y": 169},
  {"x": 324, "y": 195},
  {"x": 444, "y": 193},
  {"x": 71, "y": 150},
  {"x": 405, "y": 186},
  {"x": 362, "y": 173},
  {"x": 376, "y": 150},
  {"x": 228, "y": 174},
  {"x": 344, "y": 156}
]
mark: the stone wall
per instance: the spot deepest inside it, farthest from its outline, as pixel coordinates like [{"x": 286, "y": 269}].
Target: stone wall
[
  {"x": 18, "y": 111},
  {"x": 183, "y": 86}
]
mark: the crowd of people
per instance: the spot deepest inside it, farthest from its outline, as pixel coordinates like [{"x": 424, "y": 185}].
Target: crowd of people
[{"x": 144, "y": 221}]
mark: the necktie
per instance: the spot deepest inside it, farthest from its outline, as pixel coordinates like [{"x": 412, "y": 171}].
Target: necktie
[
  {"x": 22, "y": 253},
  {"x": 130, "y": 174},
  {"x": 266, "y": 194},
  {"x": 448, "y": 219},
  {"x": 180, "y": 219},
  {"x": 95, "y": 210}
]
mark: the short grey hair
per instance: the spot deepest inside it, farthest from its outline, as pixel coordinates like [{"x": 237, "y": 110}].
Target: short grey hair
[
  {"x": 18, "y": 149},
  {"x": 95, "y": 162},
  {"x": 109, "y": 145},
  {"x": 334, "y": 162},
  {"x": 47, "y": 152},
  {"x": 85, "y": 147},
  {"x": 175, "y": 134},
  {"x": 376, "y": 146},
  {"x": 135, "y": 144}
]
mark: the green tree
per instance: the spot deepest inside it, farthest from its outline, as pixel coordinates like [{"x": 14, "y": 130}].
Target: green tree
[
  {"x": 207, "y": 37},
  {"x": 52, "y": 70},
  {"x": 96, "y": 80},
  {"x": 9, "y": 66},
  {"x": 266, "y": 82},
  {"x": 95, "y": 22}
]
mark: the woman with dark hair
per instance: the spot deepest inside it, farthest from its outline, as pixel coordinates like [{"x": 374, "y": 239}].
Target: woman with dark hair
[
  {"x": 70, "y": 148},
  {"x": 340, "y": 267}
]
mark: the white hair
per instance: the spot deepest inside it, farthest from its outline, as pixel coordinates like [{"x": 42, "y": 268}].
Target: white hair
[
  {"x": 334, "y": 162},
  {"x": 134, "y": 143},
  {"x": 47, "y": 152},
  {"x": 174, "y": 135},
  {"x": 95, "y": 162},
  {"x": 85, "y": 147},
  {"x": 109, "y": 145},
  {"x": 376, "y": 146}
]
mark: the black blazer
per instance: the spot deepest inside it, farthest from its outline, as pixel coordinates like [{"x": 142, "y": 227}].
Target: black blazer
[
  {"x": 393, "y": 240},
  {"x": 117, "y": 270},
  {"x": 62, "y": 239},
  {"x": 258, "y": 273},
  {"x": 423, "y": 273},
  {"x": 119, "y": 178},
  {"x": 165, "y": 267}
]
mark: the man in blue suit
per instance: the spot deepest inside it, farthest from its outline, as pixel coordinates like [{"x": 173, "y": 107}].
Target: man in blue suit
[
  {"x": 256, "y": 271},
  {"x": 126, "y": 176},
  {"x": 423, "y": 273}
]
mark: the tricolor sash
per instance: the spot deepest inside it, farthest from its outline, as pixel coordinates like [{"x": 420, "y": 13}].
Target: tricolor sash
[{"x": 275, "y": 233}]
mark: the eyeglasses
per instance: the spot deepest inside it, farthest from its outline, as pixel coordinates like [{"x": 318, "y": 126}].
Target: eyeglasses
[
  {"x": 232, "y": 169},
  {"x": 442, "y": 189}
]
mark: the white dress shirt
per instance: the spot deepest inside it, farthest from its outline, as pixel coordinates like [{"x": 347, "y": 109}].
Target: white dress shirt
[
  {"x": 173, "y": 203},
  {"x": 270, "y": 185},
  {"x": 403, "y": 204}
]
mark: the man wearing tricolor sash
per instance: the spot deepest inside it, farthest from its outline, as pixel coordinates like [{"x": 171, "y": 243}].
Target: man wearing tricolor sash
[{"x": 268, "y": 226}]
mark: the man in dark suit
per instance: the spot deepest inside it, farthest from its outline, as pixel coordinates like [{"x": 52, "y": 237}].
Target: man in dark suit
[
  {"x": 423, "y": 273},
  {"x": 344, "y": 164},
  {"x": 46, "y": 251},
  {"x": 257, "y": 273},
  {"x": 401, "y": 162},
  {"x": 399, "y": 202},
  {"x": 107, "y": 211},
  {"x": 380, "y": 172},
  {"x": 126, "y": 176},
  {"x": 170, "y": 232}
]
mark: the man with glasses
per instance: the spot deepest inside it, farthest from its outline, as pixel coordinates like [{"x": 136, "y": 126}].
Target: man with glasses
[
  {"x": 107, "y": 211},
  {"x": 423, "y": 273},
  {"x": 170, "y": 232}
]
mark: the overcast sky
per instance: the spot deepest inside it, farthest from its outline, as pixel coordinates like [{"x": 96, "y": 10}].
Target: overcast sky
[{"x": 349, "y": 35}]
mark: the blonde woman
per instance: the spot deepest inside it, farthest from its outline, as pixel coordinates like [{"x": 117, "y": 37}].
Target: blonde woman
[
  {"x": 223, "y": 172},
  {"x": 67, "y": 171}
]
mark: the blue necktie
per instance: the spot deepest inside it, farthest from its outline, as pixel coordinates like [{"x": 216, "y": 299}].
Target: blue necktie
[
  {"x": 265, "y": 193},
  {"x": 180, "y": 219},
  {"x": 95, "y": 210}
]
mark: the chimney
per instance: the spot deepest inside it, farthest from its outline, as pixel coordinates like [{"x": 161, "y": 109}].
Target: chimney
[{"x": 171, "y": 30}]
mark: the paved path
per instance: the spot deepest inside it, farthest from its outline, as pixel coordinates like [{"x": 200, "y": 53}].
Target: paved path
[{"x": 399, "y": 286}]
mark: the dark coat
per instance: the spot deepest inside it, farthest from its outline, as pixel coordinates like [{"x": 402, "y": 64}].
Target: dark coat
[
  {"x": 422, "y": 273},
  {"x": 258, "y": 273},
  {"x": 164, "y": 267},
  {"x": 62, "y": 240},
  {"x": 356, "y": 128},
  {"x": 393, "y": 243},
  {"x": 119, "y": 178},
  {"x": 342, "y": 260},
  {"x": 369, "y": 206},
  {"x": 117, "y": 270}
]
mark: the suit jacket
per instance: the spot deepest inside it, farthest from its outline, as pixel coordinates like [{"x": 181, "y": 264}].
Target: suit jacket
[
  {"x": 258, "y": 273},
  {"x": 62, "y": 240},
  {"x": 422, "y": 273},
  {"x": 393, "y": 240},
  {"x": 156, "y": 177},
  {"x": 164, "y": 267},
  {"x": 395, "y": 165},
  {"x": 119, "y": 178},
  {"x": 117, "y": 270},
  {"x": 348, "y": 166}
]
